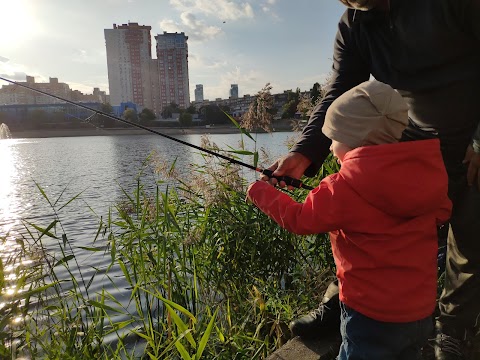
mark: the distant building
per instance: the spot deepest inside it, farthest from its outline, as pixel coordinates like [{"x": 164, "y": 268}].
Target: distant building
[
  {"x": 13, "y": 94},
  {"x": 239, "y": 106},
  {"x": 234, "y": 91},
  {"x": 199, "y": 93},
  {"x": 118, "y": 110},
  {"x": 172, "y": 57},
  {"x": 134, "y": 76},
  {"x": 129, "y": 62}
]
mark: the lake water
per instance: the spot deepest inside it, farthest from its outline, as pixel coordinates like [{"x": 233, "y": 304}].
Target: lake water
[{"x": 95, "y": 167}]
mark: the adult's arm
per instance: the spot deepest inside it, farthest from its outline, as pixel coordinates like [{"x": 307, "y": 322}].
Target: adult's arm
[
  {"x": 349, "y": 69},
  {"x": 468, "y": 13},
  {"x": 474, "y": 14}
]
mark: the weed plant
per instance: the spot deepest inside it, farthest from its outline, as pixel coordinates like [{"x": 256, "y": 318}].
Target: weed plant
[{"x": 207, "y": 276}]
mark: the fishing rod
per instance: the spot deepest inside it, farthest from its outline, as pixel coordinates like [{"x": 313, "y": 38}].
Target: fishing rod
[{"x": 287, "y": 179}]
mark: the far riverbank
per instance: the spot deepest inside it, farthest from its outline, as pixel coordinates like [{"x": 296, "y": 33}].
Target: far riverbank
[{"x": 283, "y": 125}]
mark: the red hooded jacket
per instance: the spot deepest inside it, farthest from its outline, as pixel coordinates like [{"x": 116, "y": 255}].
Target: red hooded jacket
[{"x": 382, "y": 210}]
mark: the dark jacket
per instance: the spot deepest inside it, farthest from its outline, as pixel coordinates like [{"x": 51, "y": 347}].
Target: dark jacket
[{"x": 429, "y": 50}]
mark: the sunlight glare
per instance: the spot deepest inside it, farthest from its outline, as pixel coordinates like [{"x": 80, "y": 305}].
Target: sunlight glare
[
  {"x": 7, "y": 175},
  {"x": 16, "y": 24}
]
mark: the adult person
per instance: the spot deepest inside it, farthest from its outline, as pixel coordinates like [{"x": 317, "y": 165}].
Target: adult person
[{"x": 429, "y": 50}]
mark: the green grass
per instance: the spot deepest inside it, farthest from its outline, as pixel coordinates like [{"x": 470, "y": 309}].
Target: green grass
[{"x": 209, "y": 277}]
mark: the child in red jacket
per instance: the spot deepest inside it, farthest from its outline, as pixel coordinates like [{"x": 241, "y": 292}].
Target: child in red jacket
[{"x": 382, "y": 210}]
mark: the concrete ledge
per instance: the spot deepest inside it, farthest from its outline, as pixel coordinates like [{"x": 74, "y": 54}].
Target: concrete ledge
[{"x": 296, "y": 349}]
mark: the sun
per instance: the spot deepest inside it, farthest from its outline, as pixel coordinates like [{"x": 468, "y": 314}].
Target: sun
[{"x": 17, "y": 22}]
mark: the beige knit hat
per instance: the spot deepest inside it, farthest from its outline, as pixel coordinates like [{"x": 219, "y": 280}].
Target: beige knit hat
[{"x": 371, "y": 113}]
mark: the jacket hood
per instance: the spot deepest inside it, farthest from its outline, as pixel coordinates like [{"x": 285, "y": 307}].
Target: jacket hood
[{"x": 404, "y": 179}]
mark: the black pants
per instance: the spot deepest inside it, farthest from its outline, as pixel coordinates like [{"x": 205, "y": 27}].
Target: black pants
[{"x": 460, "y": 300}]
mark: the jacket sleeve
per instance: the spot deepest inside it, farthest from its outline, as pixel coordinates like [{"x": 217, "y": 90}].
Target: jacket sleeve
[
  {"x": 468, "y": 13},
  {"x": 444, "y": 211},
  {"x": 317, "y": 214},
  {"x": 348, "y": 71}
]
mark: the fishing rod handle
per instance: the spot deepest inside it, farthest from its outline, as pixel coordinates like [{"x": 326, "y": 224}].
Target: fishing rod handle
[{"x": 287, "y": 179}]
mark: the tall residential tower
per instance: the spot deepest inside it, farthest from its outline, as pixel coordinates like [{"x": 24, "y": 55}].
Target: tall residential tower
[
  {"x": 172, "y": 57},
  {"x": 128, "y": 61},
  {"x": 234, "y": 91},
  {"x": 198, "y": 93}
]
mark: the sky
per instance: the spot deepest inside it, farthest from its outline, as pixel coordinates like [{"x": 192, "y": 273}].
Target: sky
[{"x": 287, "y": 43}]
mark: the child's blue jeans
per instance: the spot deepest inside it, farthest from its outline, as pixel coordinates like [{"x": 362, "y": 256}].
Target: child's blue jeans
[{"x": 366, "y": 339}]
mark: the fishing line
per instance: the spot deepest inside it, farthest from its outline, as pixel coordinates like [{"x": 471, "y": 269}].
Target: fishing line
[{"x": 287, "y": 179}]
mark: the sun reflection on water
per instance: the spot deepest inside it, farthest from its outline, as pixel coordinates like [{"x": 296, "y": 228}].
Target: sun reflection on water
[
  {"x": 8, "y": 174},
  {"x": 13, "y": 261}
]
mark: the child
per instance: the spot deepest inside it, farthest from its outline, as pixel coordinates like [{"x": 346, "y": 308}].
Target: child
[{"x": 382, "y": 210}]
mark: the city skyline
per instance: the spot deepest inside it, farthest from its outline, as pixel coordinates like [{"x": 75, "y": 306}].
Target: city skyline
[{"x": 230, "y": 42}]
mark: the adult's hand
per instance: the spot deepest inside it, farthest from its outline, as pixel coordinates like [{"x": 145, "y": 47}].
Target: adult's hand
[
  {"x": 473, "y": 172},
  {"x": 293, "y": 164}
]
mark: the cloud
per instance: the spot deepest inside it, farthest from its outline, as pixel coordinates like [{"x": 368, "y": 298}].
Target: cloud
[
  {"x": 16, "y": 76},
  {"x": 222, "y": 9},
  {"x": 196, "y": 29},
  {"x": 11, "y": 70},
  {"x": 89, "y": 57},
  {"x": 267, "y": 8}
]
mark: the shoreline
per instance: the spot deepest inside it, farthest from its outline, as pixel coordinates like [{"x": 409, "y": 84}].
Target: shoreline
[{"x": 220, "y": 129}]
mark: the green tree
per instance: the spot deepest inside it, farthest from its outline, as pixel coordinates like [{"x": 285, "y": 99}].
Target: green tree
[
  {"x": 191, "y": 110},
  {"x": 106, "y": 121},
  {"x": 147, "y": 115},
  {"x": 186, "y": 119},
  {"x": 130, "y": 115},
  {"x": 315, "y": 92},
  {"x": 168, "y": 110},
  {"x": 212, "y": 114},
  {"x": 106, "y": 108},
  {"x": 290, "y": 107}
]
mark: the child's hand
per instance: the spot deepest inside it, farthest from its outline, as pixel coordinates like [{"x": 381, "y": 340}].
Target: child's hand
[{"x": 248, "y": 199}]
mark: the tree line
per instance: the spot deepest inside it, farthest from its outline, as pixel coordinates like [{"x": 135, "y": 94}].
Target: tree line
[{"x": 296, "y": 103}]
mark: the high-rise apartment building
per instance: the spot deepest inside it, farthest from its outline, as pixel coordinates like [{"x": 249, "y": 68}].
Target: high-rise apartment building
[
  {"x": 172, "y": 57},
  {"x": 129, "y": 62},
  {"x": 134, "y": 76},
  {"x": 234, "y": 91},
  {"x": 199, "y": 93}
]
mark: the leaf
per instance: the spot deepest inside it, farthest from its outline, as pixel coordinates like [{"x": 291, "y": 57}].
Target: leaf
[
  {"x": 90, "y": 248},
  {"x": 241, "y": 152},
  {"x": 183, "y": 352},
  {"x": 45, "y": 231},
  {"x": 69, "y": 201},
  {"x": 182, "y": 327},
  {"x": 205, "y": 337},
  {"x": 43, "y": 193},
  {"x": 167, "y": 349},
  {"x": 103, "y": 306},
  {"x": 38, "y": 290},
  {"x": 64, "y": 260},
  {"x": 242, "y": 130}
]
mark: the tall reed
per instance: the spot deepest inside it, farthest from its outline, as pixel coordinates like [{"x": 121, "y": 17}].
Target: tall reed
[{"x": 207, "y": 276}]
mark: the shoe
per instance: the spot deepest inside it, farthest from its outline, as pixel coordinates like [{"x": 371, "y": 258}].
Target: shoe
[
  {"x": 321, "y": 322},
  {"x": 449, "y": 346}
]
